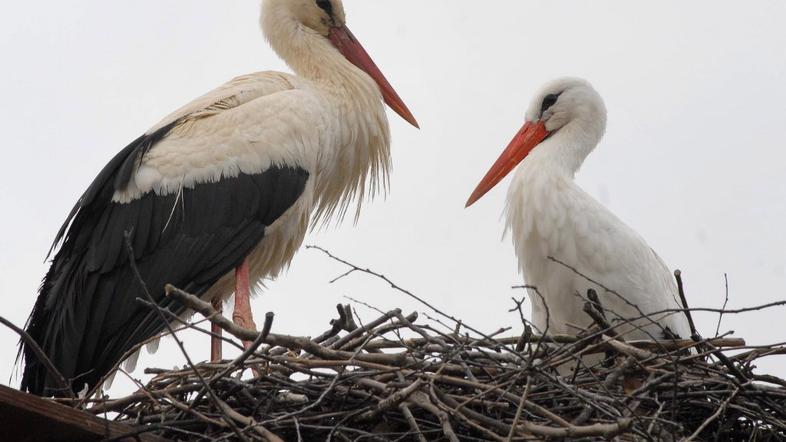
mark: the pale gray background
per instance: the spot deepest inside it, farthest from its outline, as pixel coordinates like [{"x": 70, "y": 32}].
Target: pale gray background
[{"x": 693, "y": 158}]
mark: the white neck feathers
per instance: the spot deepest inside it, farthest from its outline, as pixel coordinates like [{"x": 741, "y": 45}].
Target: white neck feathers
[
  {"x": 358, "y": 159},
  {"x": 565, "y": 151}
]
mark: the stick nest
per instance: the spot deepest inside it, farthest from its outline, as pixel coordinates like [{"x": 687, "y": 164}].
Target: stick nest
[
  {"x": 374, "y": 383},
  {"x": 406, "y": 378}
]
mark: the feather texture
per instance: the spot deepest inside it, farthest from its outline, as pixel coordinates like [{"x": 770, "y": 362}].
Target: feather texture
[{"x": 87, "y": 306}]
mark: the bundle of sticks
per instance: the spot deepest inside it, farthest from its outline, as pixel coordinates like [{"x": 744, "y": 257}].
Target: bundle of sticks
[{"x": 399, "y": 377}]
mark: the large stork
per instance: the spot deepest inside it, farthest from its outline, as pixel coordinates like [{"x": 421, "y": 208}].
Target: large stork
[
  {"x": 218, "y": 196},
  {"x": 564, "y": 238}
]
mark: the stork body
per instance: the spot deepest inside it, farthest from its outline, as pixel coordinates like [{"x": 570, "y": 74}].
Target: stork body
[
  {"x": 218, "y": 195},
  {"x": 560, "y": 231}
]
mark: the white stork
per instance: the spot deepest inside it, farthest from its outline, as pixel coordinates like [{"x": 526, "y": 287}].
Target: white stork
[
  {"x": 549, "y": 216},
  {"x": 218, "y": 196}
]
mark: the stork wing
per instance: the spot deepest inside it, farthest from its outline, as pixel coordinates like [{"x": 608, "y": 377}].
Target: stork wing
[
  {"x": 619, "y": 258},
  {"x": 592, "y": 244},
  {"x": 87, "y": 314}
]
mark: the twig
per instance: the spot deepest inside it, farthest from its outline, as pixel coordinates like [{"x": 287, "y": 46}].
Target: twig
[
  {"x": 681, "y": 290},
  {"x": 59, "y": 379},
  {"x": 519, "y": 410},
  {"x": 712, "y": 418},
  {"x": 725, "y": 303}
]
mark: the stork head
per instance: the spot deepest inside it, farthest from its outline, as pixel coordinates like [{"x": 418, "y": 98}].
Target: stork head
[
  {"x": 317, "y": 15},
  {"x": 327, "y": 19},
  {"x": 569, "y": 107}
]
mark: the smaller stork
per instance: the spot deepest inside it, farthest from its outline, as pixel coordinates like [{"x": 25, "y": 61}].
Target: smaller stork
[{"x": 552, "y": 219}]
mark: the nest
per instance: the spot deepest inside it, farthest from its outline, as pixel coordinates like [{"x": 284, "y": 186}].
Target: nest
[{"x": 403, "y": 377}]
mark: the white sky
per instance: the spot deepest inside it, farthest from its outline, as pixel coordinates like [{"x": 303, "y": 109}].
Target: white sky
[{"x": 693, "y": 158}]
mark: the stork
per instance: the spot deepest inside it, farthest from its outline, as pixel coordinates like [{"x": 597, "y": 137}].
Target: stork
[
  {"x": 218, "y": 196},
  {"x": 567, "y": 242}
]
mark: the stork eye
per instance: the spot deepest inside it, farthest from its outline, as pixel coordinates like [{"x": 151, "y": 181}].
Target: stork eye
[
  {"x": 326, "y": 6},
  {"x": 548, "y": 101}
]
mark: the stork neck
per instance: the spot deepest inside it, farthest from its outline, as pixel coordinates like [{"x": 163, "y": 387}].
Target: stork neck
[
  {"x": 565, "y": 151},
  {"x": 358, "y": 158},
  {"x": 311, "y": 55}
]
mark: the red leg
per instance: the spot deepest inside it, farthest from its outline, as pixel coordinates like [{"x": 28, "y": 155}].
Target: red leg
[
  {"x": 242, "y": 315},
  {"x": 215, "y": 343}
]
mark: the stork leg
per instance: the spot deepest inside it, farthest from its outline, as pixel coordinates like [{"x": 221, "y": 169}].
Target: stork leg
[
  {"x": 242, "y": 315},
  {"x": 215, "y": 341}
]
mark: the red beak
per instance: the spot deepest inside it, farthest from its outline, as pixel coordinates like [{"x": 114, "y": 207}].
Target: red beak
[
  {"x": 532, "y": 134},
  {"x": 347, "y": 44}
]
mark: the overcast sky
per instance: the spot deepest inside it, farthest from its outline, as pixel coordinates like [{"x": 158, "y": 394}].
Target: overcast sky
[{"x": 693, "y": 158}]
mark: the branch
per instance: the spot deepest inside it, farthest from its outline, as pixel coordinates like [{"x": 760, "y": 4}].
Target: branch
[{"x": 60, "y": 380}]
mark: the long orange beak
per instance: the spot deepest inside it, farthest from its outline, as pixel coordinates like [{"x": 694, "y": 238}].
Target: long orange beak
[
  {"x": 347, "y": 44},
  {"x": 532, "y": 134}
]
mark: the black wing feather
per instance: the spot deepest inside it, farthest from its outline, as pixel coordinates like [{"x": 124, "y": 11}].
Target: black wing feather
[{"x": 86, "y": 315}]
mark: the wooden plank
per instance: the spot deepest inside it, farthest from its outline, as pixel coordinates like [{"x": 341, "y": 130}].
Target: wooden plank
[{"x": 28, "y": 418}]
